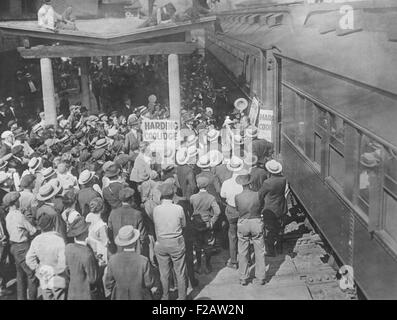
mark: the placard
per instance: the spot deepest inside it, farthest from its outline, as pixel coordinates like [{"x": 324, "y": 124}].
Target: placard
[
  {"x": 253, "y": 115},
  {"x": 160, "y": 130},
  {"x": 265, "y": 124}
]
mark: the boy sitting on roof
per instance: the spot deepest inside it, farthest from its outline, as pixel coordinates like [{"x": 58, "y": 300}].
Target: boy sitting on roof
[{"x": 48, "y": 18}]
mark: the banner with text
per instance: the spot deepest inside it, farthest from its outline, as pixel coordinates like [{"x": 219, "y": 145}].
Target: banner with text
[
  {"x": 265, "y": 124},
  {"x": 160, "y": 130}
]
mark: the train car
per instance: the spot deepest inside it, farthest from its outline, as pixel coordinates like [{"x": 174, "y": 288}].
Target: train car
[{"x": 328, "y": 73}]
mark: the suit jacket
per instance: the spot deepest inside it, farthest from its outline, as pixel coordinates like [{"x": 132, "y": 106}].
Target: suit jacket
[
  {"x": 258, "y": 176},
  {"x": 82, "y": 269},
  {"x": 129, "y": 277},
  {"x": 187, "y": 180},
  {"x": 84, "y": 198},
  {"x": 111, "y": 194},
  {"x": 248, "y": 204},
  {"x": 123, "y": 216},
  {"x": 222, "y": 173},
  {"x": 205, "y": 205},
  {"x": 262, "y": 149},
  {"x": 214, "y": 187},
  {"x": 273, "y": 193}
]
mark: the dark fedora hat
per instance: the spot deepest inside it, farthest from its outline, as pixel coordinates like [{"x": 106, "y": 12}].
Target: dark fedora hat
[
  {"x": 243, "y": 180},
  {"x": 112, "y": 171},
  {"x": 77, "y": 228},
  {"x": 126, "y": 194}
]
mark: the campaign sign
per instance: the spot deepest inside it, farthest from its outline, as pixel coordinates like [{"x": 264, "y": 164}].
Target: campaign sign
[
  {"x": 265, "y": 124},
  {"x": 160, "y": 130}
]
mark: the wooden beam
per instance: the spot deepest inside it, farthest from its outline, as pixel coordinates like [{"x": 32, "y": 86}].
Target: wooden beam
[
  {"x": 84, "y": 51},
  {"x": 107, "y": 39}
]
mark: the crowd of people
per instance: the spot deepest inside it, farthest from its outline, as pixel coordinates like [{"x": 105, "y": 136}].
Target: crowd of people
[{"x": 91, "y": 211}]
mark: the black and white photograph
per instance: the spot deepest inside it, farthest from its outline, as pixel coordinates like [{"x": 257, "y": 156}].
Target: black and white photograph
[{"x": 210, "y": 151}]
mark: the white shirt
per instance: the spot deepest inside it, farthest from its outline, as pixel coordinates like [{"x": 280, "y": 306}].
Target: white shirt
[
  {"x": 230, "y": 188},
  {"x": 47, "y": 17}
]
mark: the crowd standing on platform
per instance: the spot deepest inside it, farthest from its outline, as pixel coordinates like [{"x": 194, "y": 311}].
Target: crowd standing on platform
[{"x": 91, "y": 211}]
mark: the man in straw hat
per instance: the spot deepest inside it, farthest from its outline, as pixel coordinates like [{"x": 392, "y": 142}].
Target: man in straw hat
[
  {"x": 272, "y": 193},
  {"x": 87, "y": 192},
  {"x": 205, "y": 213},
  {"x": 46, "y": 257},
  {"x": 250, "y": 228},
  {"x": 128, "y": 214},
  {"x": 230, "y": 188},
  {"x": 129, "y": 274},
  {"x": 20, "y": 231},
  {"x": 169, "y": 221},
  {"x": 81, "y": 264},
  {"x": 185, "y": 174}
]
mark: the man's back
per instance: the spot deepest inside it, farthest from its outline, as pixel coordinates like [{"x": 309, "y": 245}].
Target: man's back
[
  {"x": 123, "y": 216},
  {"x": 169, "y": 220},
  {"x": 248, "y": 204},
  {"x": 273, "y": 193},
  {"x": 187, "y": 180},
  {"x": 132, "y": 275},
  {"x": 258, "y": 176}
]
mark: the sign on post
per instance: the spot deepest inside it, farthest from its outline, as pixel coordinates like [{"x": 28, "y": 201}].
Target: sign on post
[
  {"x": 265, "y": 124},
  {"x": 160, "y": 130}
]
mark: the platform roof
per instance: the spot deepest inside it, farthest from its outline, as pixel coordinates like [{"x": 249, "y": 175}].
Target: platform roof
[{"x": 107, "y": 31}]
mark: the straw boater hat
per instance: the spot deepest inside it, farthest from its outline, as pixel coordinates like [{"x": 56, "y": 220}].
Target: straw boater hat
[
  {"x": 86, "y": 176},
  {"x": 6, "y": 134},
  {"x": 235, "y": 164},
  {"x": 250, "y": 159},
  {"x": 101, "y": 143},
  {"x": 48, "y": 173},
  {"x": 238, "y": 139},
  {"x": 191, "y": 140},
  {"x": 3, "y": 164},
  {"x": 204, "y": 162},
  {"x": 274, "y": 166},
  {"x": 36, "y": 128},
  {"x": 241, "y": 104},
  {"x": 112, "y": 132},
  {"x": 48, "y": 191},
  {"x": 182, "y": 156},
  {"x": 34, "y": 163},
  {"x": 127, "y": 235},
  {"x": 216, "y": 157},
  {"x": 369, "y": 160},
  {"x": 213, "y": 135},
  {"x": 251, "y": 132}
]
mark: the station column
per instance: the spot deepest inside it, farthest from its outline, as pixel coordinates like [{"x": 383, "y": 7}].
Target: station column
[
  {"x": 85, "y": 83},
  {"x": 174, "y": 87},
  {"x": 47, "y": 80}
]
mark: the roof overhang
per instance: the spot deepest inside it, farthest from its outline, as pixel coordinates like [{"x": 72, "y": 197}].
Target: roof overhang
[{"x": 105, "y": 32}]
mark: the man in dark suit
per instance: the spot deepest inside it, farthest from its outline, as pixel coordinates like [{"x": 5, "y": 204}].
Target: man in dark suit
[
  {"x": 272, "y": 193},
  {"x": 258, "y": 176},
  {"x": 111, "y": 192},
  {"x": 129, "y": 274},
  {"x": 126, "y": 108},
  {"x": 127, "y": 214},
  {"x": 250, "y": 228},
  {"x": 262, "y": 148},
  {"x": 132, "y": 138}
]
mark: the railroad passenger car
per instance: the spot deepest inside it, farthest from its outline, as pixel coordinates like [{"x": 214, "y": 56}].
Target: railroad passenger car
[{"x": 332, "y": 85}]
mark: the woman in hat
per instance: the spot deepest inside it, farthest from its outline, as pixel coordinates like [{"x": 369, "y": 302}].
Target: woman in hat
[
  {"x": 129, "y": 274},
  {"x": 81, "y": 264}
]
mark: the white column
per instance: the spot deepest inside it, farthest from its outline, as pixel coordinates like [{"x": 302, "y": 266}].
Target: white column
[
  {"x": 47, "y": 80},
  {"x": 174, "y": 87}
]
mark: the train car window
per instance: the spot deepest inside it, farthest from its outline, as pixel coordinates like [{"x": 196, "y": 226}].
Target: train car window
[
  {"x": 321, "y": 118},
  {"x": 317, "y": 149},
  {"x": 336, "y": 165},
  {"x": 337, "y": 128},
  {"x": 309, "y": 129},
  {"x": 300, "y": 120},
  {"x": 390, "y": 216},
  {"x": 247, "y": 71},
  {"x": 288, "y": 113},
  {"x": 391, "y": 164}
]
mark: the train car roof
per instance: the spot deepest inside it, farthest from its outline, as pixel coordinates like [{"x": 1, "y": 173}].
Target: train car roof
[{"x": 362, "y": 58}]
